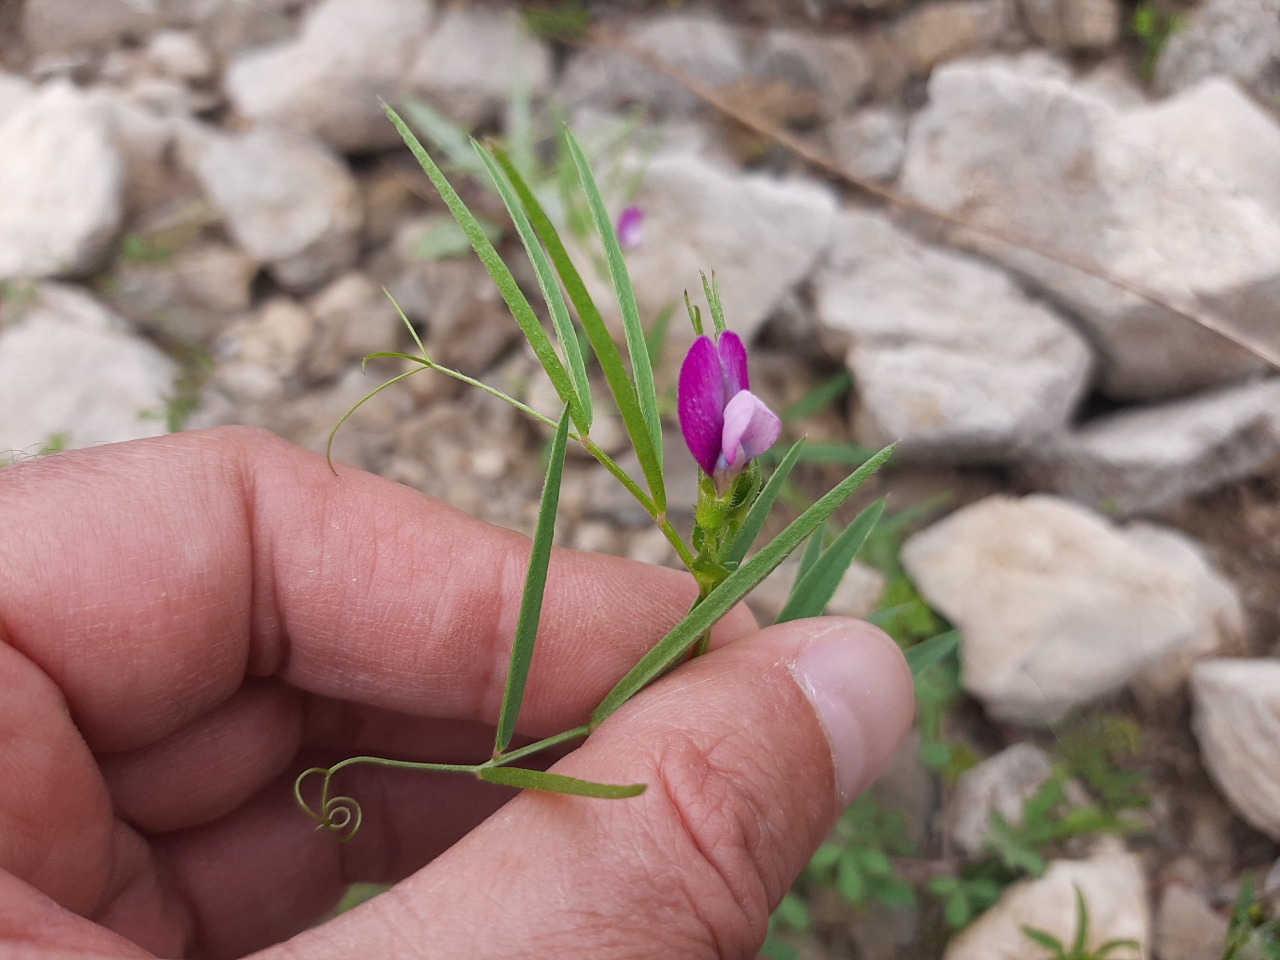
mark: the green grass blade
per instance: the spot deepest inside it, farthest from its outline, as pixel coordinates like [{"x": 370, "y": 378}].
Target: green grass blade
[
  {"x": 759, "y": 512},
  {"x": 656, "y": 337},
  {"x": 558, "y": 783},
  {"x": 602, "y": 345},
  {"x": 823, "y": 395},
  {"x": 519, "y": 125},
  {"x": 812, "y": 551},
  {"x": 641, "y": 371},
  {"x": 498, "y": 270},
  {"x": 547, "y": 283},
  {"x": 445, "y": 135},
  {"x": 813, "y": 591},
  {"x": 923, "y": 655},
  {"x": 668, "y": 651},
  {"x": 842, "y": 454},
  {"x": 535, "y": 585}
]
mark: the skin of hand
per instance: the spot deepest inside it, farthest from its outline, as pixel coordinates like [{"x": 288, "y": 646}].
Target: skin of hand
[{"x": 188, "y": 622}]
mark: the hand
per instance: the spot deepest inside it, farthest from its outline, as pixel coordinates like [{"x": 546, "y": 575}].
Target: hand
[{"x": 188, "y": 622}]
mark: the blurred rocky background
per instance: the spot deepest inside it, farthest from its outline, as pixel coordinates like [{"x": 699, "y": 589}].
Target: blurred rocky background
[{"x": 1036, "y": 241}]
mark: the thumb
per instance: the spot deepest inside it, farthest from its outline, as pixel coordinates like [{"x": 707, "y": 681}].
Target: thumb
[{"x": 749, "y": 754}]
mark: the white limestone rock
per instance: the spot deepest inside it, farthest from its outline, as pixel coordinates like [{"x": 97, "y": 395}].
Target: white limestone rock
[
  {"x": 1216, "y": 609},
  {"x": 63, "y": 26},
  {"x": 1237, "y": 721},
  {"x": 62, "y": 176},
  {"x": 760, "y": 235},
  {"x": 353, "y": 318},
  {"x": 327, "y": 82},
  {"x": 1073, "y": 24},
  {"x": 1233, "y": 38},
  {"x": 1115, "y": 894},
  {"x": 473, "y": 58},
  {"x": 1186, "y": 927},
  {"x": 260, "y": 358},
  {"x": 181, "y": 55},
  {"x": 933, "y": 33},
  {"x": 947, "y": 354},
  {"x": 1055, "y": 606},
  {"x": 70, "y": 368},
  {"x": 1000, "y": 784},
  {"x": 703, "y": 48},
  {"x": 289, "y": 201},
  {"x": 1218, "y": 125},
  {"x": 825, "y": 75},
  {"x": 1089, "y": 189},
  {"x": 1151, "y": 457},
  {"x": 14, "y": 92},
  {"x": 869, "y": 144}
]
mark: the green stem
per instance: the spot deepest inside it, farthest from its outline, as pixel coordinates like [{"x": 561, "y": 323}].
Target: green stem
[
  {"x": 407, "y": 765},
  {"x": 673, "y": 537},
  {"x": 554, "y": 741}
]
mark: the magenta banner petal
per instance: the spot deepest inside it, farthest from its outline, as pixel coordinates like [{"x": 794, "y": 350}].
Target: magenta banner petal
[
  {"x": 750, "y": 428},
  {"x": 700, "y": 401},
  {"x": 733, "y": 361}
]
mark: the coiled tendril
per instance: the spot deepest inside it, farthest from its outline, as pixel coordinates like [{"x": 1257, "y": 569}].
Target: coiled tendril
[{"x": 341, "y": 815}]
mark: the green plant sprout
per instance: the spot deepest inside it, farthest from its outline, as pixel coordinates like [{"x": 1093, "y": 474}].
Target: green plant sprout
[
  {"x": 567, "y": 21},
  {"x": 1077, "y": 951},
  {"x": 1154, "y": 26},
  {"x": 857, "y": 862},
  {"x": 1047, "y": 821},
  {"x": 1251, "y": 934},
  {"x": 1096, "y": 750},
  {"x": 966, "y": 896},
  {"x": 734, "y": 497}
]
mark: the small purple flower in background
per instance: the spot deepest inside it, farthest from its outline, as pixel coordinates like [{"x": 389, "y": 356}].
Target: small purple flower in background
[
  {"x": 630, "y": 228},
  {"x": 723, "y": 422}
]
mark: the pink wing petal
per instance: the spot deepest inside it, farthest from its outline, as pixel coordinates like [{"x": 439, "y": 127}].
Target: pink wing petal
[
  {"x": 700, "y": 403},
  {"x": 733, "y": 361},
  {"x": 750, "y": 428},
  {"x": 630, "y": 228}
]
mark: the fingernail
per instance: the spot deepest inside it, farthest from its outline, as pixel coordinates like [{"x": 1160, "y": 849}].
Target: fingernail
[{"x": 832, "y": 671}]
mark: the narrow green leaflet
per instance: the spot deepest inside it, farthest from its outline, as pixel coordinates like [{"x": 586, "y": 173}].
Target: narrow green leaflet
[
  {"x": 711, "y": 290},
  {"x": 558, "y": 783},
  {"x": 565, "y": 331},
  {"x": 502, "y": 278},
  {"x": 646, "y": 392},
  {"x": 813, "y": 591},
  {"x": 668, "y": 651},
  {"x": 812, "y": 551},
  {"x": 449, "y": 138},
  {"x": 535, "y": 584},
  {"x": 923, "y": 655},
  {"x": 759, "y": 512},
  {"x": 602, "y": 345}
]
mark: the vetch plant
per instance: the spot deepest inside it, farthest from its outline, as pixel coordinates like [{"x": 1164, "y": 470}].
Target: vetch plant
[{"x": 734, "y": 499}]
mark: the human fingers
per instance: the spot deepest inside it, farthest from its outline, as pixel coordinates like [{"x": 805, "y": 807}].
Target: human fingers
[
  {"x": 195, "y": 559},
  {"x": 748, "y": 754},
  {"x": 145, "y": 581}
]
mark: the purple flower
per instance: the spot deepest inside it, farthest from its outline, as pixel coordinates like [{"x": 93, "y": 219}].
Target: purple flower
[
  {"x": 723, "y": 422},
  {"x": 630, "y": 228}
]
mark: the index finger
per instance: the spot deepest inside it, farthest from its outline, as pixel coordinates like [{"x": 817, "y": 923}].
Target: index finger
[{"x": 148, "y": 579}]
